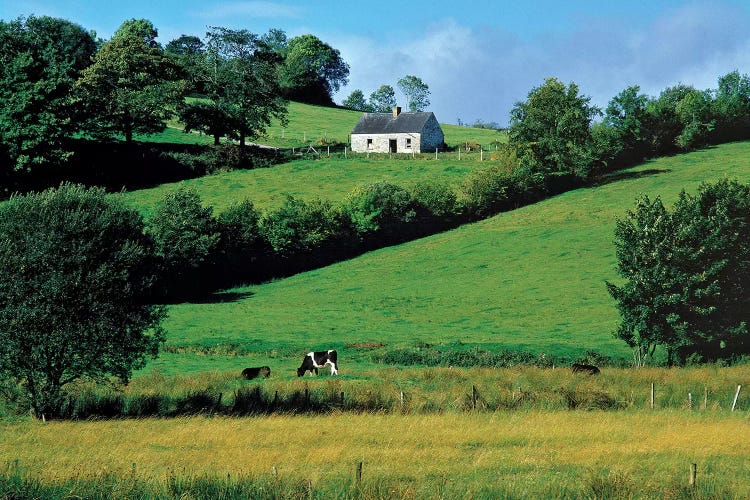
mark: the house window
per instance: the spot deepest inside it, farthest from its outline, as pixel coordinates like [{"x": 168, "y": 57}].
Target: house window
[
  {"x": 408, "y": 142},
  {"x": 369, "y": 143}
]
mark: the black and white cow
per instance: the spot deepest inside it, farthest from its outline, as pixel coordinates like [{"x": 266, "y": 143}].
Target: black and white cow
[
  {"x": 315, "y": 360},
  {"x": 251, "y": 373}
]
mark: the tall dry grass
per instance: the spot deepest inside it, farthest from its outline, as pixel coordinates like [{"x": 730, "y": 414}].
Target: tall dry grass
[{"x": 523, "y": 454}]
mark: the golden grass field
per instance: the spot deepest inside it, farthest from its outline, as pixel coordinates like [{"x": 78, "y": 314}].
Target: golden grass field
[{"x": 522, "y": 451}]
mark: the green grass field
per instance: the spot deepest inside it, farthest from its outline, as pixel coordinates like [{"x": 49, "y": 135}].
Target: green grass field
[
  {"x": 308, "y": 124},
  {"x": 328, "y": 178},
  {"x": 531, "y": 279}
]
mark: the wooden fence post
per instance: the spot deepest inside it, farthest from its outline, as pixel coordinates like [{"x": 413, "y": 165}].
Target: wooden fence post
[
  {"x": 705, "y": 397},
  {"x": 436, "y": 153},
  {"x": 402, "y": 400},
  {"x": 473, "y": 397},
  {"x": 690, "y": 401},
  {"x": 481, "y": 154},
  {"x": 693, "y": 473},
  {"x": 652, "y": 395},
  {"x": 736, "y": 395},
  {"x": 359, "y": 473}
]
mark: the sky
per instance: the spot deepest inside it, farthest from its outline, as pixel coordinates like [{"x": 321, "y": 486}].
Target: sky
[{"x": 478, "y": 57}]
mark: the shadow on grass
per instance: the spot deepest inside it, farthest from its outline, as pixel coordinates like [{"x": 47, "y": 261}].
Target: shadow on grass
[
  {"x": 221, "y": 297},
  {"x": 624, "y": 176}
]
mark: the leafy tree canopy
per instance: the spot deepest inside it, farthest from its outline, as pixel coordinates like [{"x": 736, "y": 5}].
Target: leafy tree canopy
[
  {"x": 75, "y": 276},
  {"x": 687, "y": 274},
  {"x": 357, "y": 102},
  {"x": 131, "y": 86},
  {"x": 40, "y": 60},
  {"x": 417, "y": 92},
  {"x": 552, "y": 130},
  {"x": 313, "y": 70},
  {"x": 383, "y": 100}
]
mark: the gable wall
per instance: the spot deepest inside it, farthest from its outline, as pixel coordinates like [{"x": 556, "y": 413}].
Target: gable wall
[{"x": 432, "y": 135}]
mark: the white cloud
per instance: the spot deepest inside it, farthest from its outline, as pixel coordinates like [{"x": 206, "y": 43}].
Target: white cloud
[
  {"x": 480, "y": 74},
  {"x": 254, "y": 10}
]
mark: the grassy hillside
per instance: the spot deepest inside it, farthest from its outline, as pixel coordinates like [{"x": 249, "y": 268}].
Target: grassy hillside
[
  {"x": 530, "y": 279},
  {"x": 328, "y": 178},
  {"x": 309, "y": 124}
]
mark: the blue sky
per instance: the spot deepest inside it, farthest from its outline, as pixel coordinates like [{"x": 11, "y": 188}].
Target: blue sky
[{"x": 477, "y": 57}]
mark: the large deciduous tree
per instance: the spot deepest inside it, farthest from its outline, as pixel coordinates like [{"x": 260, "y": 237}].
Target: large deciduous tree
[
  {"x": 552, "y": 129},
  {"x": 75, "y": 277},
  {"x": 383, "y": 99},
  {"x": 239, "y": 75},
  {"x": 131, "y": 86},
  {"x": 313, "y": 70},
  {"x": 40, "y": 60},
  {"x": 416, "y": 91},
  {"x": 357, "y": 101},
  {"x": 687, "y": 274}
]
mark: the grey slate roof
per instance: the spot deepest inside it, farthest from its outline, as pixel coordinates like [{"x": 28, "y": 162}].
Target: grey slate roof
[{"x": 385, "y": 123}]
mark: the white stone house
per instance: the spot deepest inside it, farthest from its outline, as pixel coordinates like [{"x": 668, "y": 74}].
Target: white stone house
[{"x": 397, "y": 132}]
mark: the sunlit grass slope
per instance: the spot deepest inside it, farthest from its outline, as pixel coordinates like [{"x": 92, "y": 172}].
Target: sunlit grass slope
[
  {"x": 308, "y": 124},
  {"x": 327, "y": 178},
  {"x": 531, "y": 279},
  {"x": 528, "y": 454}
]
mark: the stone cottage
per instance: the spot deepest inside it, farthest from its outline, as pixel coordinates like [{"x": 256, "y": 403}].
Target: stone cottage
[{"x": 397, "y": 132}]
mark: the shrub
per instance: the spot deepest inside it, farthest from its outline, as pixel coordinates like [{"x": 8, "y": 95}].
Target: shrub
[
  {"x": 300, "y": 227},
  {"x": 187, "y": 238},
  {"x": 379, "y": 207},
  {"x": 76, "y": 272},
  {"x": 438, "y": 200}
]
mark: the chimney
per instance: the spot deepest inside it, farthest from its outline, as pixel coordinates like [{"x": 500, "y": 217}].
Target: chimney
[{"x": 396, "y": 111}]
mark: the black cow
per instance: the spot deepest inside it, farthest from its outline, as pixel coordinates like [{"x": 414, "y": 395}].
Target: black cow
[
  {"x": 315, "y": 360},
  {"x": 582, "y": 368},
  {"x": 251, "y": 373}
]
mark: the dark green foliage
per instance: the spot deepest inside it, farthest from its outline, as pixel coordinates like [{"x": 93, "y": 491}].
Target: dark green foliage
[
  {"x": 688, "y": 274},
  {"x": 383, "y": 100},
  {"x": 75, "y": 274},
  {"x": 313, "y": 70},
  {"x": 131, "y": 86},
  {"x": 551, "y": 129},
  {"x": 239, "y": 76},
  {"x": 187, "y": 238},
  {"x": 379, "y": 207},
  {"x": 357, "y": 102},
  {"x": 298, "y": 227},
  {"x": 439, "y": 201},
  {"x": 40, "y": 60}
]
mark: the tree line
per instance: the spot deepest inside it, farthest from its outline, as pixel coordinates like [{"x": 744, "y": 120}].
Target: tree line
[
  {"x": 59, "y": 82},
  {"x": 383, "y": 99}
]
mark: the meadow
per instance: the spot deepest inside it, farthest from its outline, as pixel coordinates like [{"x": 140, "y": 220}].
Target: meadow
[
  {"x": 527, "y": 454},
  {"x": 529, "y": 279}
]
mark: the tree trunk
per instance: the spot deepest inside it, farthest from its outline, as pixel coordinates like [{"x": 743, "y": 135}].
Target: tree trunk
[{"x": 216, "y": 139}]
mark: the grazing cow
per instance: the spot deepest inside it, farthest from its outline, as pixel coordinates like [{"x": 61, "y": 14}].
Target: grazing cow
[
  {"x": 251, "y": 373},
  {"x": 315, "y": 360},
  {"x": 582, "y": 368}
]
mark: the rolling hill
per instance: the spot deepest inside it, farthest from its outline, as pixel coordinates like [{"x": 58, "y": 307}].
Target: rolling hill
[{"x": 530, "y": 279}]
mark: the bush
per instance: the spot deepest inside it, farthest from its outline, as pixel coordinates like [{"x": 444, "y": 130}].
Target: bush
[
  {"x": 379, "y": 207},
  {"x": 76, "y": 272},
  {"x": 300, "y": 227},
  {"x": 438, "y": 200},
  {"x": 187, "y": 239}
]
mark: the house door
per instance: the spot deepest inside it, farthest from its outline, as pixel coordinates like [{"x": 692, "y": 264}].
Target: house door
[{"x": 392, "y": 145}]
